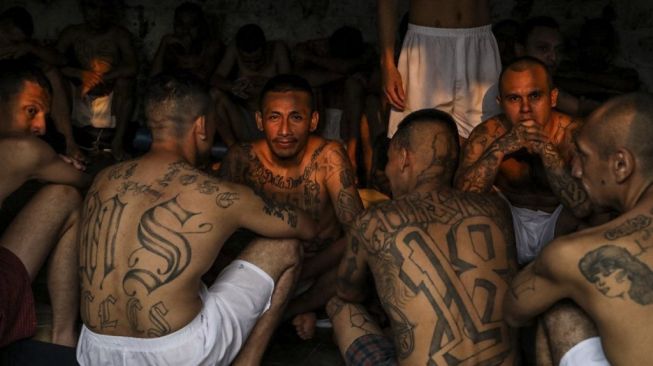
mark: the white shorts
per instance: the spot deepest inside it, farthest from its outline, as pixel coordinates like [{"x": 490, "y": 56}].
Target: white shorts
[
  {"x": 533, "y": 230},
  {"x": 93, "y": 111},
  {"x": 589, "y": 352},
  {"x": 232, "y": 306},
  {"x": 454, "y": 70}
]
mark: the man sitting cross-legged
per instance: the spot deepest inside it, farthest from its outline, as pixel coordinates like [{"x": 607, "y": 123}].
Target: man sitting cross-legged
[
  {"x": 441, "y": 261},
  {"x": 293, "y": 167},
  {"x": 152, "y": 226}
]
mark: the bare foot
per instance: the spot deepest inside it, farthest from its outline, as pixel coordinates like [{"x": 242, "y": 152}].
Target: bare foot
[{"x": 305, "y": 325}]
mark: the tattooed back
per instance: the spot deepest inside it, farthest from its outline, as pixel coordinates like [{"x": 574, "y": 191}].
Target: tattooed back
[
  {"x": 606, "y": 270},
  {"x": 441, "y": 263},
  {"x": 148, "y": 234}
]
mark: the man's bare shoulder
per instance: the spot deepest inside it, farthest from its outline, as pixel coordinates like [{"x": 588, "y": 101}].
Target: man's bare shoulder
[
  {"x": 495, "y": 126},
  {"x": 25, "y": 151}
]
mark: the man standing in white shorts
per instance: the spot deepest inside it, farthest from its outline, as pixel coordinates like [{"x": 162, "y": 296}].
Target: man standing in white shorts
[
  {"x": 449, "y": 61},
  {"x": 151, "y": 227}
]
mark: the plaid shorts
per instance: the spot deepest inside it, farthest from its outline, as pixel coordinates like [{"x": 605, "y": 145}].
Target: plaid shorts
[{"x": 371, "y": 350}]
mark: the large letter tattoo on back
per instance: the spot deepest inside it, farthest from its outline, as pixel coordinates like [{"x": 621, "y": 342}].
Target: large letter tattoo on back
[
  {"x": 463, "y": 299},
  {"x": 98, "y": 238},
  {"x": 164, "y": 244}
]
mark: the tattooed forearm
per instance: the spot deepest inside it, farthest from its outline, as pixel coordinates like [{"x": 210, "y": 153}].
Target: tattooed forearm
[
  {"x": 402, "y": 329},
  {"x": 157, "y": 317},
  {"x": 347, "y": 207},
  {"x": 284, "y": 212},
  {"x": 480, "y": 175},
  {"x": 524, "y": 282},
  {"x": 564, "y": 186},
  {"x": 629, "y": 227}
]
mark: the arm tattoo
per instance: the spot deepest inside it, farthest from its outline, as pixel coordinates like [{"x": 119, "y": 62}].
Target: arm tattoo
[
  {"x": 479, "y": 175},
  {"x": 347, "y": 207},
  {"x": 617, "y": 273},
  {"x": 563, "y": 185},
  {"x": 226, "y": 199},
  {"x": 629, "y": 227},
  {"x": 402, "y": 330},
  {"x": 524, "y": 283},
  {"x": 285, "y": 213},
  {"x": 163, "y": 241},
  {"x": 157, "y": 317}
]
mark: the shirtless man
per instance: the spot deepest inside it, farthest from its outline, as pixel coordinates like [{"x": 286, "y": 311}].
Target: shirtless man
[
  {"x": 526, "y": 153},
  {"x": 540, "y": 38},
  {"x": 16, "y": 42},
  {"x": 441, "y": 261},
  {"x": 449, "y": 61},
  {"x": 47, "y": 225},
  {"x": 293, "y": 167},
  {"x": 253, "y": 60},
  {"x": 152, "y": 226},
  {"x": 190, "y": 47},
  {"x": 606, "y": 270},
  {"x": 102, "y": 59}
]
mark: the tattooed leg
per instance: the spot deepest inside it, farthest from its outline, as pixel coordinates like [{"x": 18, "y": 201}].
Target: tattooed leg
[
  {"x": 350, "y": 321},
  {"x": 566, "y": 325},
  {"x": 281, "y": 259}
]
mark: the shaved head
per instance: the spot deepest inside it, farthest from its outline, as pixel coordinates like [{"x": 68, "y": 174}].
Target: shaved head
[
  {"x": 173, "y": 102},
  {"x": 624, "y": 121},
  {"x": 432, "y": 136},
  {"x": 523, "y": 64}
]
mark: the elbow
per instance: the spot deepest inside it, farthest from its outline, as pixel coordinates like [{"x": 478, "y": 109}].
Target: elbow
[
  {"x": 349, "y": 293},
  {"x": 308, "y": 230},
  {"x": 511, "y": 316}
]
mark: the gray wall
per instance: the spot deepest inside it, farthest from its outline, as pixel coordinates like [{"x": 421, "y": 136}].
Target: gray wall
[{"x": 297, "y": 20}]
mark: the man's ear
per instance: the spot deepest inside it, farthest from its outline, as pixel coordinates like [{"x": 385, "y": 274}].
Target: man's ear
[
  {"x": 315, "y": 118},
  {"x": 200, "y": 127},
  {"x": 554, "y": 97},
  {"x": 404, "y": 159},
  {"x": 622, "y": 164},
  {"x": 259, "y": 121}
]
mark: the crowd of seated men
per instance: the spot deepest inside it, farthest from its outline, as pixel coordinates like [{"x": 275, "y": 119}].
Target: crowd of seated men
[{"x": 501, "y": 219}]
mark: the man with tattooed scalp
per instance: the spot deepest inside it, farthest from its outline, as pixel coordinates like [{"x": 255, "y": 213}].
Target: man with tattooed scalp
[
  {"x": 605, "y": 270},
  {"x": 441, "y": 260},
  {"x": 152, "y": 226},
  {"x": 526, "y": 154},
  {"x": 293, "y": 167}
]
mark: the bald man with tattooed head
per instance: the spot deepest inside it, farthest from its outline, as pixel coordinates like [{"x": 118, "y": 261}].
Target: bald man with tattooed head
[
  {"x": 152, "y": 226},
  {"x": 606, "y": 270},
  {"x": 441, "y": 261},
  {"x": 293, "y": 166}
]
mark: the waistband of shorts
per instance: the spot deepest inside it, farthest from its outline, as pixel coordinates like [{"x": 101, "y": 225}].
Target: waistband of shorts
[
  {"x": 450, "y": 32},
  {"x": 175, "y": 338}
]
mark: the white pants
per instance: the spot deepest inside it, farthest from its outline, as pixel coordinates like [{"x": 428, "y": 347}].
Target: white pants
[
  {"x": 589, "y": 352},
  {"x": 454, "y": 70},
  {"x": 232, "y": 306}
]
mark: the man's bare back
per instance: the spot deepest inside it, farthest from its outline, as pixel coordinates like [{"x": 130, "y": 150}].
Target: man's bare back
[
  {"x": 148, "y": 234},
  {"x": 448, "y": 254}
]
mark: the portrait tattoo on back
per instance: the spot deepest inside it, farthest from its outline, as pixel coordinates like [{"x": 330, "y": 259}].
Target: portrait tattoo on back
[{"x": 617, "y": 273}]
